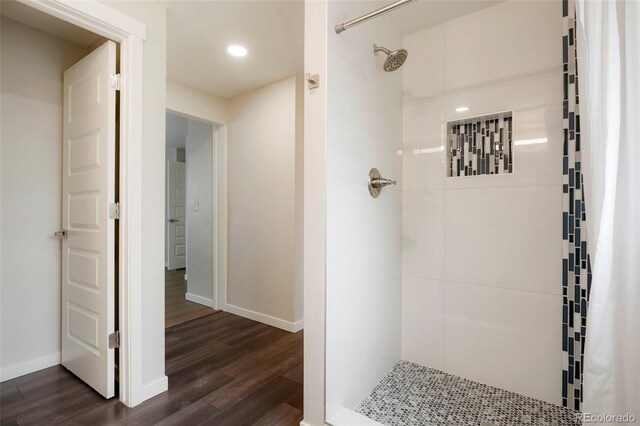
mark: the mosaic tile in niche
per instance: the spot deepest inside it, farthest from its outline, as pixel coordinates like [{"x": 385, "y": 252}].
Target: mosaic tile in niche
[{"x": 480, "y": 145}]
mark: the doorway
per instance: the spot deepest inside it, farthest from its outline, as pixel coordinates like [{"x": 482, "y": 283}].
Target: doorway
[
  {"x": 190, "y": 219},
  {"x": 71, "y": 117},
  {"x": 69, "y": 291}
]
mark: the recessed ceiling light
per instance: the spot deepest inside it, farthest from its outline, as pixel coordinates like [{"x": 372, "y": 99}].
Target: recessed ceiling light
[
  {"x": 236, "y": 50},
  {"x": 462, "y": 109}
]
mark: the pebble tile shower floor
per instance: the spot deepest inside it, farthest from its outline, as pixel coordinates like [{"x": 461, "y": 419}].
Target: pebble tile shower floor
[{"x": 414, "y": 395}]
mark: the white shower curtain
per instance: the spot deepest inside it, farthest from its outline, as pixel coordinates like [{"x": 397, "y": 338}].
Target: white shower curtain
[{"x": 609, "y": 69}]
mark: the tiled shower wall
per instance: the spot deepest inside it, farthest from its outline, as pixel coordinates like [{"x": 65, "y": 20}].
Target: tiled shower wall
[
  {"x": 363, "y": 288},
  {"x": 481, "y": 255}
]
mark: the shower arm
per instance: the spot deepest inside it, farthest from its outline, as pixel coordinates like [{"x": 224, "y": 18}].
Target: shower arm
[{"x": 393, "y": 6}]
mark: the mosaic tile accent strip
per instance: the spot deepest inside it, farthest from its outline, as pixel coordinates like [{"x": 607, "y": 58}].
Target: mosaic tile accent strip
[
  {"x": 411, "y": 394},
  {"x": 480, "y": 145},
  {"x": 576, "y": 264}
]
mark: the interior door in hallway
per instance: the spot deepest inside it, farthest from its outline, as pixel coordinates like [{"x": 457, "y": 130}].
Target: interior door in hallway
[
  {"x": 88, "y": 189},
  {"x": 176, "y": 215}
]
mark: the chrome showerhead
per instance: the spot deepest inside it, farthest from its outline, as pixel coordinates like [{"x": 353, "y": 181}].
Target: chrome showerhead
[{"x": 394, "y": 59}]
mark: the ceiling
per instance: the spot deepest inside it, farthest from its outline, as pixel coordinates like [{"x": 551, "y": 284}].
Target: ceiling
[
  {"x": 198, "y": 33},
  {"x": 176, "y": 130},
  {"x": 44, "y": 22}
]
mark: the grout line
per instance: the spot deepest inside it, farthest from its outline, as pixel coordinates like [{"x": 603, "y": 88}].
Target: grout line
[
  {"x": 445, "y": 99},
  {"x": 536, "y": 185},
  {"x": 504, "y": 288},
  {"x": 444, "y": 280},
  {"x": 365, "y": 291}
]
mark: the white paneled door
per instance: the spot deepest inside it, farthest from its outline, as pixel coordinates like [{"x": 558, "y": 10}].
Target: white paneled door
[
  {"x": 176, "y": 216},
  {"x": 88, "y": 189}
]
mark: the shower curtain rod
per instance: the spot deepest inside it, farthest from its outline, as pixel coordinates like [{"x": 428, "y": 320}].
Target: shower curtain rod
[{"x": 393, "y": 6}]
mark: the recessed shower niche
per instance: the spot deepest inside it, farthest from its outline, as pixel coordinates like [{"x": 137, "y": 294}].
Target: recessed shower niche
[{"x": 480, "y": 145}]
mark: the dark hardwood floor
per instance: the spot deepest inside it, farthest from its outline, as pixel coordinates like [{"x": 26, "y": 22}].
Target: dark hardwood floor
[
  {"x": 176, "y": 308},
  {"x": 223, "y": 370}
]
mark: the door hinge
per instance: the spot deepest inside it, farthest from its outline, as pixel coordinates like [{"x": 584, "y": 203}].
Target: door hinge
[
  {"x": 114, "y": 211},
  {"x": 115, "y": 81},
  {"x": 114, "y": 340}
]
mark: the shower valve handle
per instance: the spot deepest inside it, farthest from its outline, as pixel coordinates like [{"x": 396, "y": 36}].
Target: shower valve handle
[
  {"x": 377, "y": 182},
  {"x": 382, "y": 182}
]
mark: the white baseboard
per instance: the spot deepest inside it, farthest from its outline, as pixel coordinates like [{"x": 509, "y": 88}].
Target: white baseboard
[
  {"x": 265, "y": 319},
  {"x": 31, "y": 366},
  {"x": 201, "y": 300},
  {"x": 305, "y": 423},
  {"x": 152, "y": 389}
]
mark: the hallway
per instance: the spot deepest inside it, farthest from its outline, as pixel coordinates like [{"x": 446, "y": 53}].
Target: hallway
[
  {"x": 177, "y": 309},
  {"x": 223, "y": 370}
]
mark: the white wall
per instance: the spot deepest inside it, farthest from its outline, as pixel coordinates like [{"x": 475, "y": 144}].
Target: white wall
[
  {"x": 364, "y": 114},
  {"x": 200, "y": 220},
  {"x": 299, "y": 200},
  {"x": 31, "y": 153},
  {"x": 315, "y": 212},
  {"x": 196, "y": 103},
  {"x": 154, "y": 15},
  {"x": 262, "y": 242},
  {"x": 482, "y": 294}
]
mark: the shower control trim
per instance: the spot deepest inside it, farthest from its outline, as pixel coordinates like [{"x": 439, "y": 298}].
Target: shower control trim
[{"x": 377, "y": 182}]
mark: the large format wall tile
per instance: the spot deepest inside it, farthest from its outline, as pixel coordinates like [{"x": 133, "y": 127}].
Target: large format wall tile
[
  {"x": 512, "y": 40},
  {"x": 505, "y": 237},
  {"x": 362, "y": 343},
  {"x": 363, "y": 239},
  {"x": 537, "y": 129},
  {"x": 364, "y": 127},
  {"x": 423, "y": 321},
  {"x": 423, "y": 149},
  {"x": 424, "y": 71},
  {"x": 363, "y": 285},
  {"x": 423, "y": 233},
  {"x": 504, "y": 338},
  {"x": 537, "y": 134}
]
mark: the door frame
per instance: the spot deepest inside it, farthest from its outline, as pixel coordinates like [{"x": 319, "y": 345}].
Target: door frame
[
  {"x": 219, "y": 199},
  {"x": 130, "y": 34}
]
